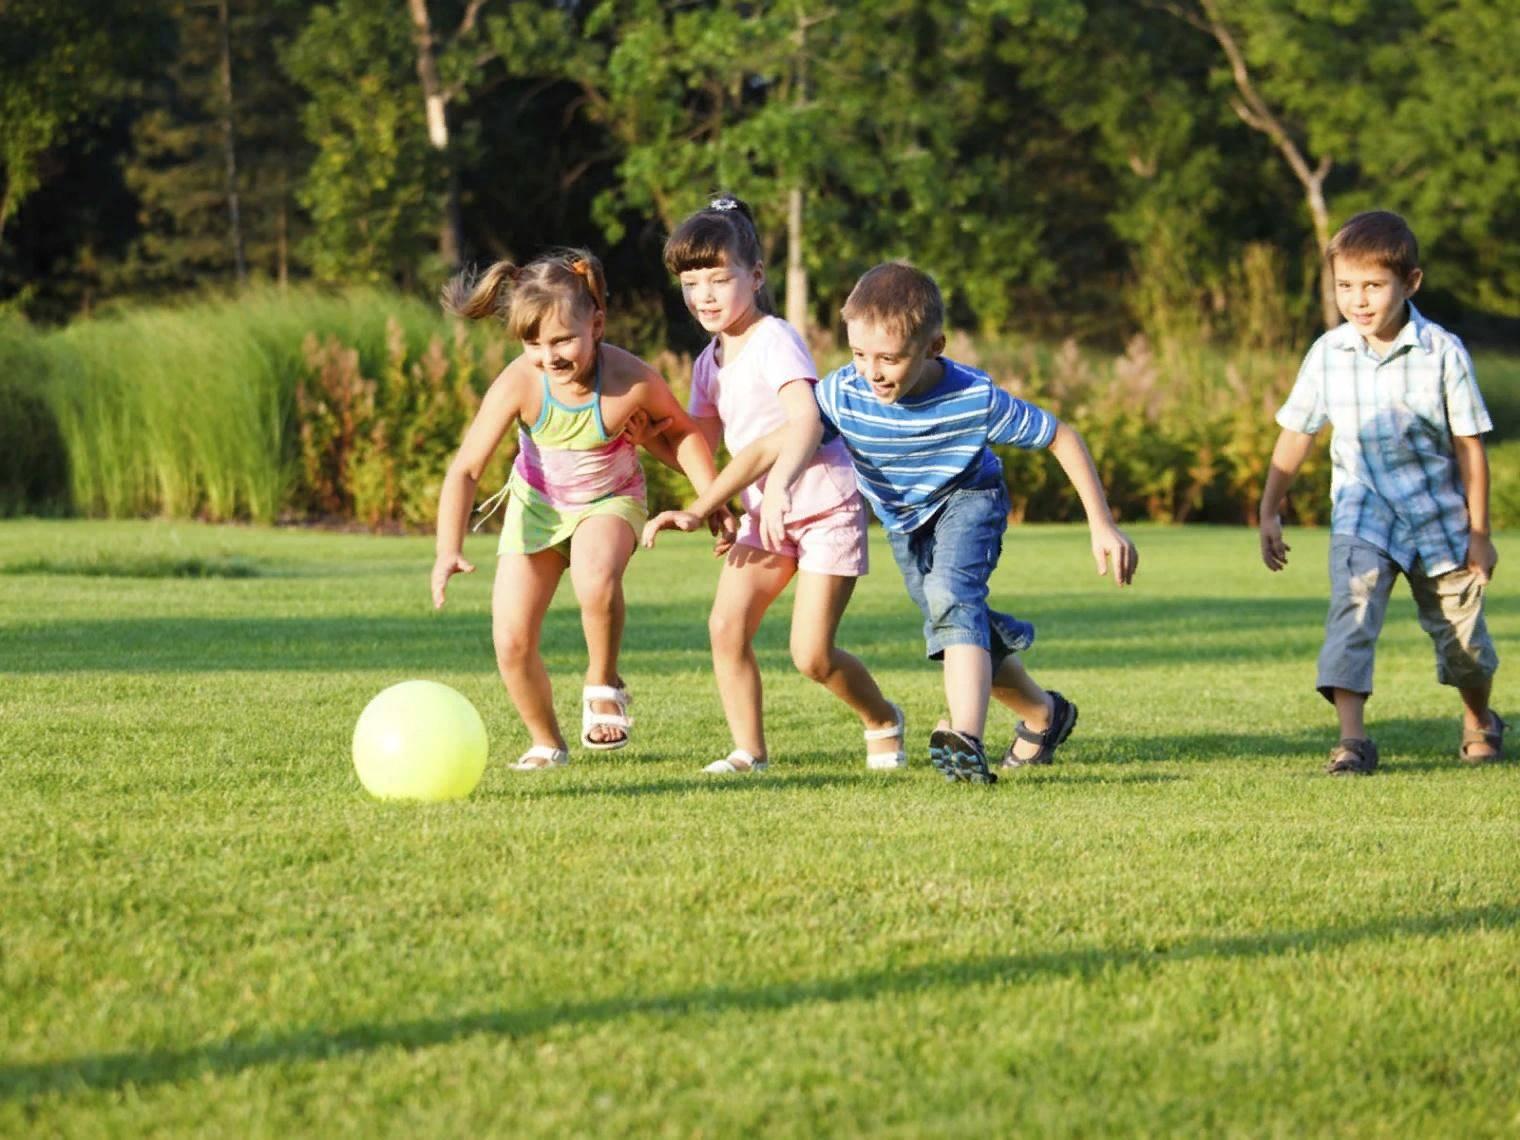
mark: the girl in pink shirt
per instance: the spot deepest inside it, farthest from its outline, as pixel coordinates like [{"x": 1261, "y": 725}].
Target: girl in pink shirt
[{"x": 804, "y": 520}]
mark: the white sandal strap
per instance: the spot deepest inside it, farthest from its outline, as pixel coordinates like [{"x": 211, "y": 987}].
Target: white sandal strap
[
  {"x": 727, "y": 767},
  {"x": 887, "y": 733},
  {"x": 612, "y": 720},
  {"x": 552, "y": 757},
  {"x": 614, "y": 693}
]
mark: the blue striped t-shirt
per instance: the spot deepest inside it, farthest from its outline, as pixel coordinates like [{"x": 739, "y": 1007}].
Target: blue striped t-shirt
[{"x": 910, "y": 456}]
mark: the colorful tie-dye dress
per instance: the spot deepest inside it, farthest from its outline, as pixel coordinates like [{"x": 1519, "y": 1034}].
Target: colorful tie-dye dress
[{"x": 567, "y": 470}]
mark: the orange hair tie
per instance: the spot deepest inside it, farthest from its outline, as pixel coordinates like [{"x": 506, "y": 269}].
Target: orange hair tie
[{"x": 582, "y": 269}]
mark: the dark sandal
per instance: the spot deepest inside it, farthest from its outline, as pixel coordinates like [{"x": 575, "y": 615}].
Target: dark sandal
[
  {"x": 1493, "y": 737},
  {"x": 1352, "y": 757},
  {"x": 1063, "y": 718},
  {"x": 960, "y": 757}
]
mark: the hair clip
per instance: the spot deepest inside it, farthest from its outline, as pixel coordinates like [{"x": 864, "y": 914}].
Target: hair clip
[{"x": 723, "y": 204}]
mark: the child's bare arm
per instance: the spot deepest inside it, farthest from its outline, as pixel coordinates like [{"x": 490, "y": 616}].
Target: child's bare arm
[
  {"x": 1110, "y": 545},
  {"x": 1472, "y": 464},
  {"x": 680, "y": 444},
  {"x": 751, "y": 463},
  {"x": 803, "y": 433},
  {"x": 498, "y": 409},
  {"x": 1288, "y": 455}
]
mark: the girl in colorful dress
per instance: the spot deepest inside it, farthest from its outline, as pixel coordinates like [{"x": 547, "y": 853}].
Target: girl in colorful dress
[
  {"x": 575, "y": 497},
  {"x": 805, "y": 520}
]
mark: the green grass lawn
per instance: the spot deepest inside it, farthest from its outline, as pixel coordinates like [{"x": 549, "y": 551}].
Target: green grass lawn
[{"x": 1181, "y": 928}]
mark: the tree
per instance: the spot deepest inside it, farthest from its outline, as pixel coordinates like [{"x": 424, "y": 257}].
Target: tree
[
  {"x": 1300, "y": 73},
  {"x": 369, "y": 187},
  {"x": 213, "y": 162},
  {"x": 446, "y": 69},
  {"x": 60, "y": 64},
  {"x": 892, "y": 137}
]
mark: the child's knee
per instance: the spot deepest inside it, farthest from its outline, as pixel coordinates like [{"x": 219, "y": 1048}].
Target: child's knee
[
  {"x": 726, "y": 631},
  {"x": 596, "y": 591},
  {"x": 813, "y": 659},
  {"x": 513, "y": 644}
]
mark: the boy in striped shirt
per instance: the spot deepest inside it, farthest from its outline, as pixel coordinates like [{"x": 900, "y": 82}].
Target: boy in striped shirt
[{"x": 918, "y": 428}]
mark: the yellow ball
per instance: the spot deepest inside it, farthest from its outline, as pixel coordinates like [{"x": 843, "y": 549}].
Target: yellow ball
[{"x": 420, "y": 740}]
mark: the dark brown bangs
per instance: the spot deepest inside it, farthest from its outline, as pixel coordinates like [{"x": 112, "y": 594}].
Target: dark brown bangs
[{"x": 702, "y": 241}]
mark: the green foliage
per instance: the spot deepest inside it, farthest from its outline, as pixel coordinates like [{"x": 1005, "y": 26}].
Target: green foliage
[
  {"x": 1175, "y": 438},
  {"x": 178, "y": 165},
  {"x": 190, "y": 412},
  {"x": 372, "y": 186},
  {"x": 376, "y": 450},
  {"x": 34, "y": 475},
  {"x": 59, "y": 63}
]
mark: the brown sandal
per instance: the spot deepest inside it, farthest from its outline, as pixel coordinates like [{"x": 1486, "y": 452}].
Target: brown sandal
[
  {"x": 1353, "y": 757},
  {"x": 1493, "y": 737}
]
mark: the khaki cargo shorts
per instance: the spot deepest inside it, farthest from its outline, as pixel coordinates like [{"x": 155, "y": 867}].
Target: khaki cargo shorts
[{"x": 1450, "y": 607}]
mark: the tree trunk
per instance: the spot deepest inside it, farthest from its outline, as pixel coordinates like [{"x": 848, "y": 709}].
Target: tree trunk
[
  {"x": 435, "y": 104},
  {"x": 796, "y": 266},
  {"x": 282, "y": 237},
  {"x": 1254, "y": 112},
  {"x": 229, "y": 146},
  {"x": 1314, "y": 192},
  {"x": 796, "y": 270}
]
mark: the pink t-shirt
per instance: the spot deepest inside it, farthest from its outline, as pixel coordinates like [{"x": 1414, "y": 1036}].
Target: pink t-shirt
[{"x": 743, "y": 393}]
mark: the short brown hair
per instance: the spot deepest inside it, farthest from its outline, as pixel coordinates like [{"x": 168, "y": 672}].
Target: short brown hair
[
  {"x": 1379, "y": 236},
  {"x": 896, "y": 296},
  {"x": 568, "y": 280}
]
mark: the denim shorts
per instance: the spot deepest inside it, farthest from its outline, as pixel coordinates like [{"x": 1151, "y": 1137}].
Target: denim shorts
[
  {"x": 946, "y": 565},
  {"x": 1450, "y": 608}
]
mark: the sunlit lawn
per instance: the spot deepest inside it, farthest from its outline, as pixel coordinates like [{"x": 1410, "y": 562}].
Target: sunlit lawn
[{"x": 1181, "y": 928}]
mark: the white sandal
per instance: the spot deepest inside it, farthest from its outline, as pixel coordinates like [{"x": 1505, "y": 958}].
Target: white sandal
[
  {"x": 620, "y": 719},
  {"x": 736, "y": 763},
  {"x": 539, "y": 757},
  {"x": 883, "y": 761}
]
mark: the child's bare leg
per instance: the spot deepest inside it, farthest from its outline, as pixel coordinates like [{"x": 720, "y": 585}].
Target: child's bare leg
[
  {"x": 1349, "y": 708},
  {"x": 817, "y": 606},
  {"x": 750, "y": 582},
  {"x": 968, "y": 685},
  {"x": 524, "y": 587},
  {"x": 1475, "y": 717},
  {"x": 599, "y": 553},
  {"x": 1014, "y": 687}
]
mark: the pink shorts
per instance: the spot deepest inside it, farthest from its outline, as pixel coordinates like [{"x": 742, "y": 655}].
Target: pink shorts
[{"x": 831, "y": 543}]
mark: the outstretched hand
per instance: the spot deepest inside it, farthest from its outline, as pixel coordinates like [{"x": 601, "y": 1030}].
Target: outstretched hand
[
  {"x": 773, "y": 508},
  {"x": 666, "y": 520},
  {"x": 1274, "y": 551},
  {"x": 640, "y": 429},
  {"x": 445, "y": 568},
  {"x": 1111, "y": 546},
  {"x": 725, "y": 530}
]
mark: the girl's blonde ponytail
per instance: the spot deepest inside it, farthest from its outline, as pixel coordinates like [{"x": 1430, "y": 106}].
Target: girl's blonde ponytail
[{"x": 485, "y": 296}]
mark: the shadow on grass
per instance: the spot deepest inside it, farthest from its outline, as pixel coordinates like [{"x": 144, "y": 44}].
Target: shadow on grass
[
  {"x": 699, "y": 783},
  {"x": 660, "y": 638},
  {"x": 1406, "y": 744},
  {"x": 112, "y": 1071}
]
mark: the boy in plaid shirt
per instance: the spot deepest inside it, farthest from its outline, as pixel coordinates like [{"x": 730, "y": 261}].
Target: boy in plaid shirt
[{"x": 1409, "y": 489}]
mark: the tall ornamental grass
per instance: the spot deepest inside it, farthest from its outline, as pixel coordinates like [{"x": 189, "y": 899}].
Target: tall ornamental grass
[
  {"x": 346, "y": 407},
  {"x": 33, "y": 470},
  {"x": 190, "y": 411}
]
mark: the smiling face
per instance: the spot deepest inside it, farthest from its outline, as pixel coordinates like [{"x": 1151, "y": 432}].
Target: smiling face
[
  {"x": 563, "y": 346},
  {"x": 1372, "y": 298},
  {"x": 891, "y": 362},
  {"x": 722, "y": 297}
]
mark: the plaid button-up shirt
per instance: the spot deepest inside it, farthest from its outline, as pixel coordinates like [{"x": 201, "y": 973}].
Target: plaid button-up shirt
[{"x": 1394, "y": 481}]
